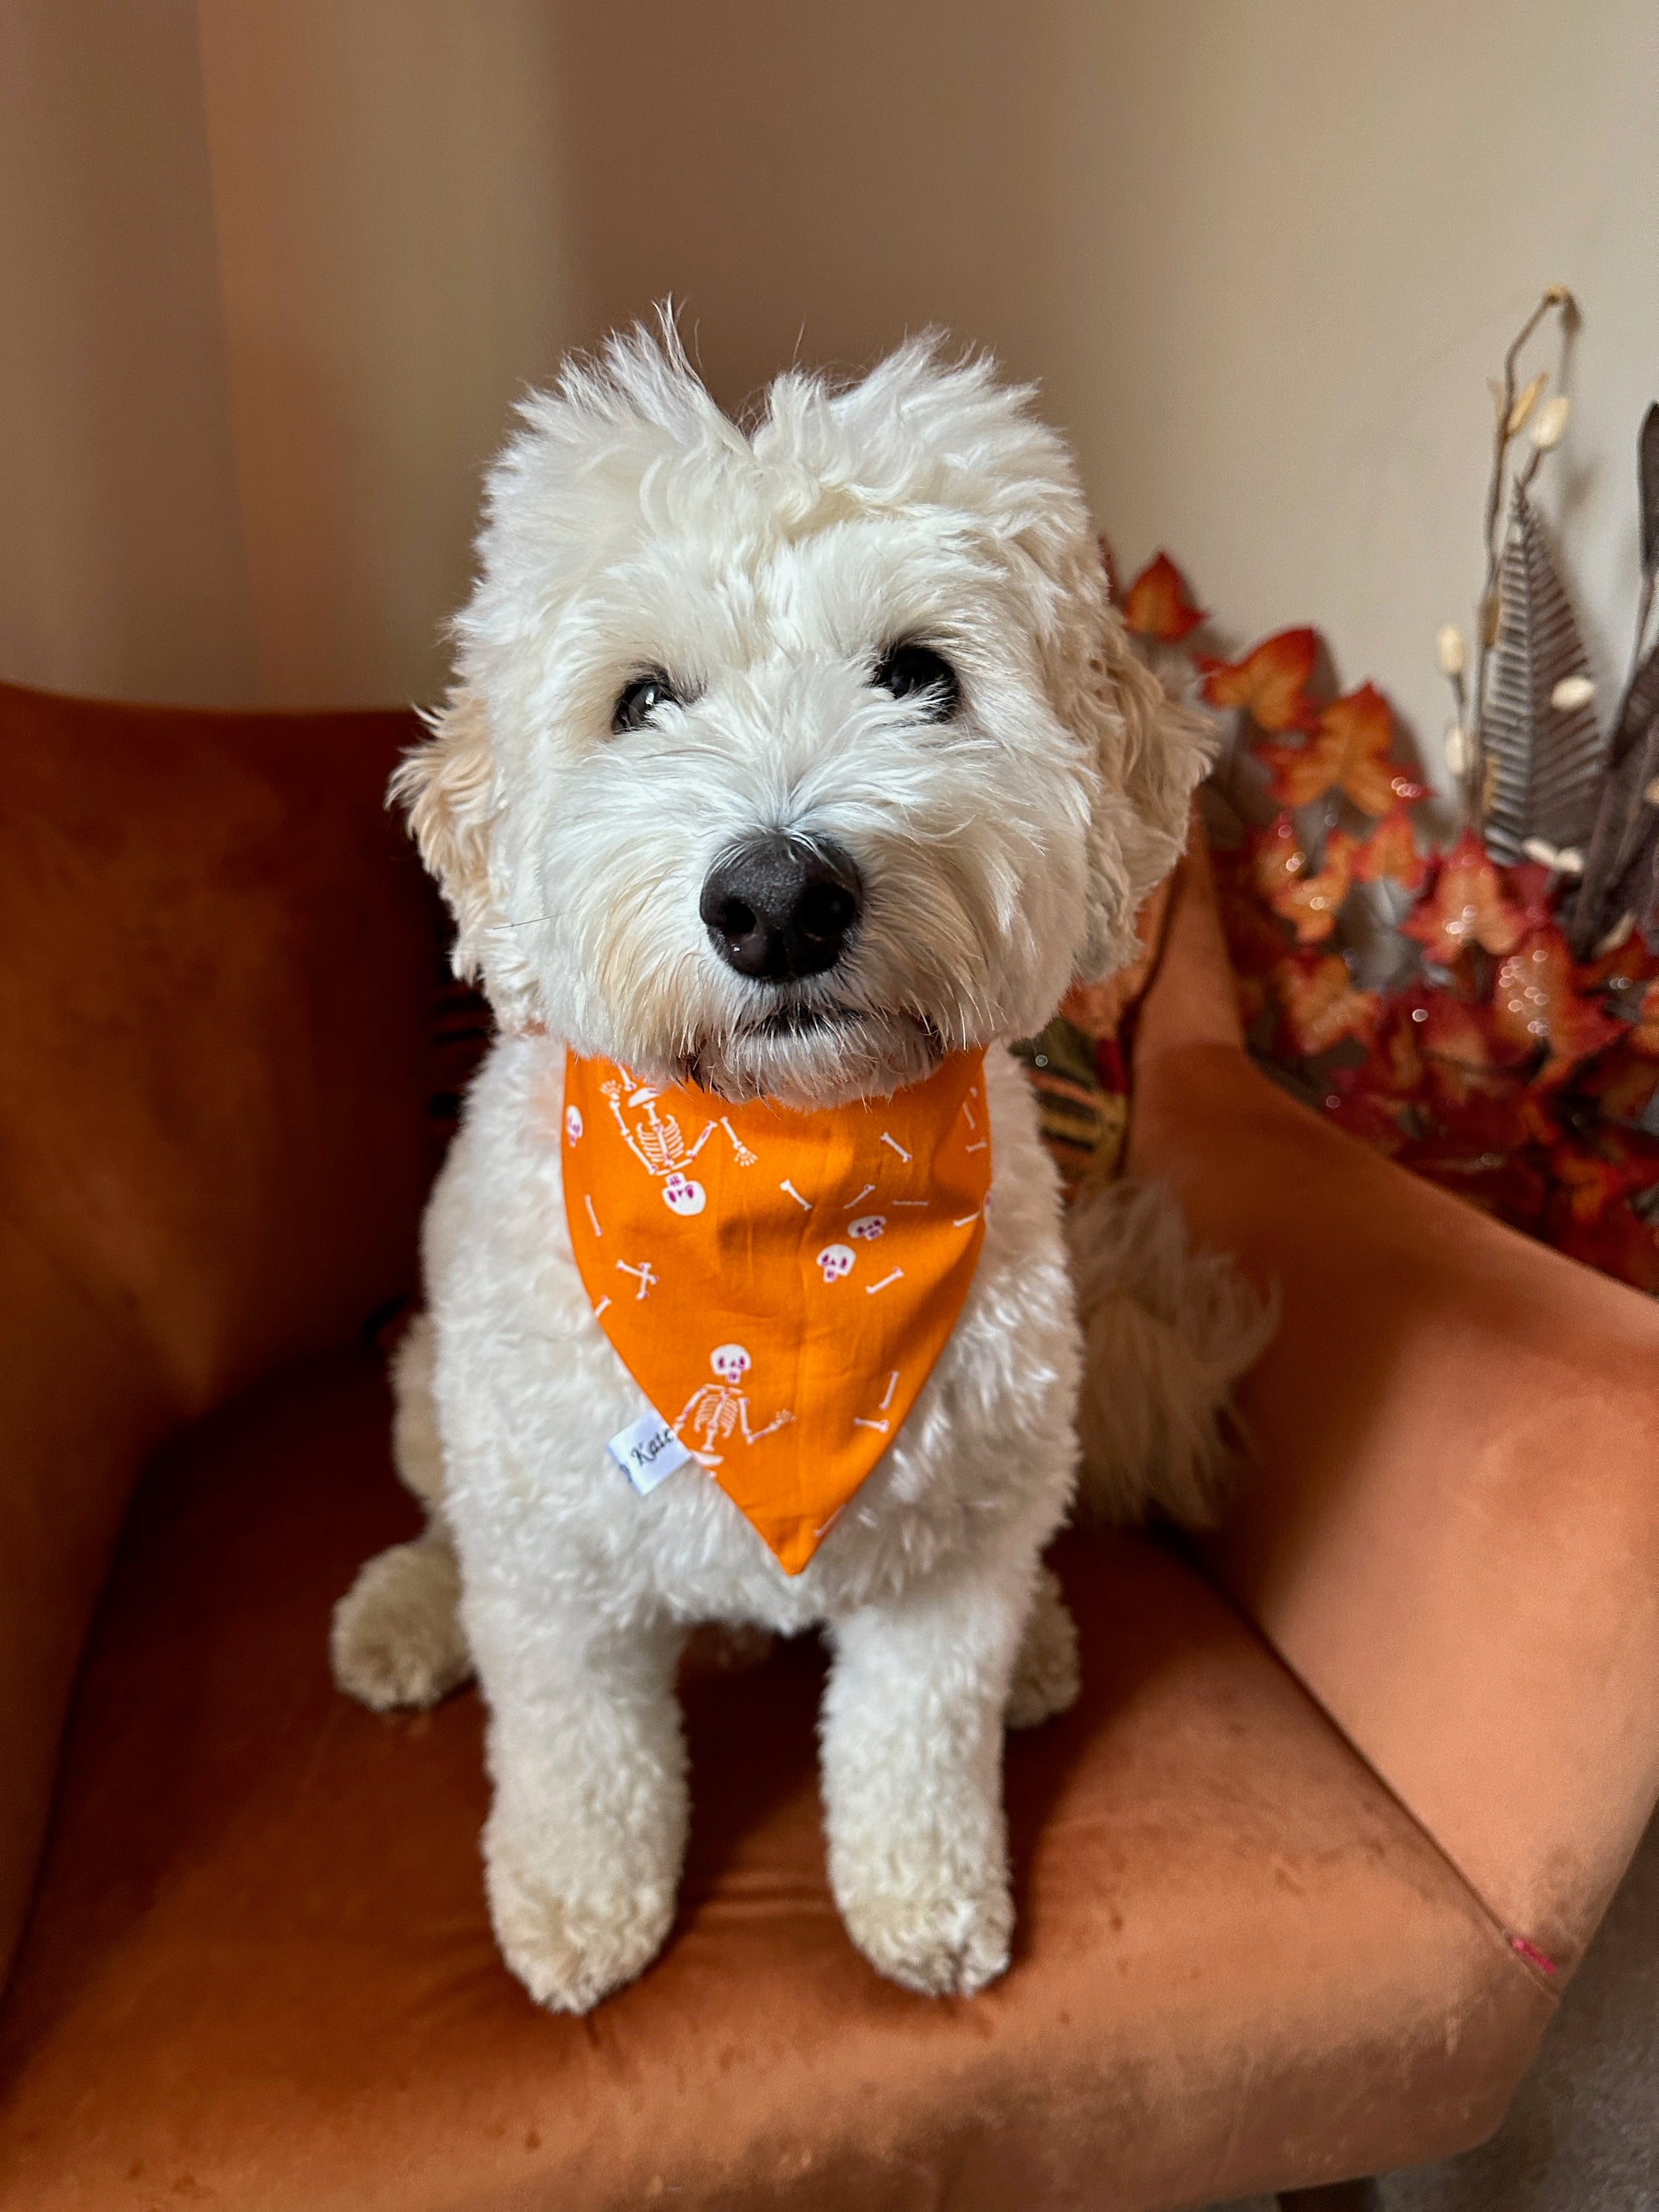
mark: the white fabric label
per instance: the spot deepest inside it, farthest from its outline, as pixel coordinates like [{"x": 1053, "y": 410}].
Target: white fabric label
[{"x": 648, "y": 1450}]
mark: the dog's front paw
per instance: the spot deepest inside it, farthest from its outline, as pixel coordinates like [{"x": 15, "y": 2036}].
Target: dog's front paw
[
  {"x": 570, "y": 1949},
  {"x": 396, "y": 1637},
  {"x": 943, "y": 1939}
]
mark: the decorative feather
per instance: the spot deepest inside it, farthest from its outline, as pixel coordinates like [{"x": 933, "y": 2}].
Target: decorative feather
[
  {"x": 1647, "y": 475},
  {"x": 1619, "y": 865},
  {"x": 1544, "y": 761}
]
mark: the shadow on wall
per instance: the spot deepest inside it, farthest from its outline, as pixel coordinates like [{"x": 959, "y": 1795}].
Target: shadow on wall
[{"x": 805, "y": 193}]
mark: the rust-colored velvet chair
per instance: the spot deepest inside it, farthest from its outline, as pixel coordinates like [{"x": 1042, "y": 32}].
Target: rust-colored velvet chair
[{"x": 1298, "y": 1880}]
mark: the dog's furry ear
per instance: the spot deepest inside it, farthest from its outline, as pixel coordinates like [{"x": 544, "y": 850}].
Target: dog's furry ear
[
  {"x": 447, "y": 785},
  {"x": 1152, "y": 752}
]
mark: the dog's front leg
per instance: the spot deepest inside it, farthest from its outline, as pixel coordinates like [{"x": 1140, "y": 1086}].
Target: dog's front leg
[
  {"x": 583, "y": 1845},
  {"x": 912, "y": 1753}
]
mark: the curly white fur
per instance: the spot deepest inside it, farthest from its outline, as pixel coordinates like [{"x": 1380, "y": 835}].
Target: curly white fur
[{"x": 632, "y": 526}]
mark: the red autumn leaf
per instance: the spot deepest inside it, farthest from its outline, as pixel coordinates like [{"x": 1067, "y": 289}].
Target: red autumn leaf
[
  {"x": 1251, "y": 994},
  {"x": 1623, "y": 1086},
  {"x": 1159, "y": 604},
  {"x": 1515, "y": 1190},
  {"x": 1350, "y": 751},
  {"x": 1390, "y": 854},
  {"x": 1592, "y": 1181},
  {"x": 1270, "y": 684},
  {"x": 1534, "y": 1005},
  {"x": 1644, "y": 1032},
  {"x": 1451, "y": 1029},
  {"x": 1620, "y": 1243},
  {"x": 1378, "y": 1120},
  {"x": 1255, "y": 942},
  {"x": 1320, "y": 1004},
  {"x": 1465, "y": 905},
  {"x": 1531, "y": 889}
]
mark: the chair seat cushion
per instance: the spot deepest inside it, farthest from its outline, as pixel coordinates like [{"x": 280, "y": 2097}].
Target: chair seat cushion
[{"x": 260, "y": 1973}]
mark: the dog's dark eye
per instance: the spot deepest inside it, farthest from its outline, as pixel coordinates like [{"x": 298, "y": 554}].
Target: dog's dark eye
[
  {"x": 916, "y": 671},
  {"x": 639, "y": 701}
]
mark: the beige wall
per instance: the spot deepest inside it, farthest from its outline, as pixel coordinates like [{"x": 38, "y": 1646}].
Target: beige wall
[{"x": 1261, "y": 254}]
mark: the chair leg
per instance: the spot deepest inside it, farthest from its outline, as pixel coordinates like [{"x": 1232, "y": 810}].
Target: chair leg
[{"x": 1333, "y": 2196}]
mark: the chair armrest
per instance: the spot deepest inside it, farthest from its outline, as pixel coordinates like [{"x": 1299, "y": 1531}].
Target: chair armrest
[{"x": 1450, "y": 1526}]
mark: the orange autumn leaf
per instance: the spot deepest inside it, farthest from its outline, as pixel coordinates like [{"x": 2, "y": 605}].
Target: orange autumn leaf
[
  {"x": 1159, "y": 604},
  {"x": 1320, "y": 1004},
  {"x": 1390, "y": 854},
  {"x": 1450, "y": 1030},
  {"x": 1276, "y": 857},
  {"x": 1395, "y": 1065},
  {"x": 1349, "y": 751},
  {"x": 1465, "y": 906},
  {"x": 1270, "y": 684},
  {"x": 1535, "y": 1003},
  {"x": 1309, "y": 902}
]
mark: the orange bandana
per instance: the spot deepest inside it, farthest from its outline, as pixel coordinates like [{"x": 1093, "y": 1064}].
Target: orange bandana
[{"x": 778, "y": 1284}]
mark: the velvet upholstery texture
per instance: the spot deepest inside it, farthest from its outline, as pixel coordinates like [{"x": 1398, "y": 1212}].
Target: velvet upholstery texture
[
  {"x": 260, "y": 1973},
  {"x": 215, "y": 1001},
  {"x": 1270, "y": 1871},
  {"x": 1451, "y": 1531}
]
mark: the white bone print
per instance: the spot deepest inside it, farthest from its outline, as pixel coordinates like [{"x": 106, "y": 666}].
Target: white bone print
[
  {"x": 645, "y": 1274},
  {"x": 870, "y": 1289},
  {"x": 859, "y": 1420},
  {"x": 805, "y": 1203}
]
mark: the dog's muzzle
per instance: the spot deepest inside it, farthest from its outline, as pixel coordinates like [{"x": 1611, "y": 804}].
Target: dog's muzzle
[{"x": 778, "y": 908}]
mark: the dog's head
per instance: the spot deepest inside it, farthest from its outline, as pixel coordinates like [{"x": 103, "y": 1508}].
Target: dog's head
[{"x": 787, "y": 760}]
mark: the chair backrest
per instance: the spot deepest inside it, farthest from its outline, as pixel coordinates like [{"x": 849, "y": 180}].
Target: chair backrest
[{"x": 220, "y": 961}]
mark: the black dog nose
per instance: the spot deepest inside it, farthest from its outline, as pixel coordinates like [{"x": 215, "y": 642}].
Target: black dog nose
[{"x": 778, "y": 908}]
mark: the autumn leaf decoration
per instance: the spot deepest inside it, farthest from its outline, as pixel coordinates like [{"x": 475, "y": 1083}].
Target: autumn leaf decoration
[
  {"x": 1389, "y": 855},
  {"x": 1270, "y": 684},
  {"x": 1491, "y": 1061},
  {"x": 1350, "y": 751},
  {"x": 1465, "y": 906},
  {"x": 1158, "y": 605}
]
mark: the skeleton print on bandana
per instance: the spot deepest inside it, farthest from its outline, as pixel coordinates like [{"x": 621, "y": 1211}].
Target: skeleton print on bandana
[
  {"x": 779, "y": 1284},
  {"x": 719, "y": 1410},
  {"x": 659, "y": 1147}
]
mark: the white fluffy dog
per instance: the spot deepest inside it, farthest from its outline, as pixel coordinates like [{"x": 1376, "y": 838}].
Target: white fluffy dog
[{"x": 872, "y": 625}]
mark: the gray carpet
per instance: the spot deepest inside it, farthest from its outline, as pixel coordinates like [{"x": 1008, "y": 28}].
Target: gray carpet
[{"x": 1582, "y": 2134}]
